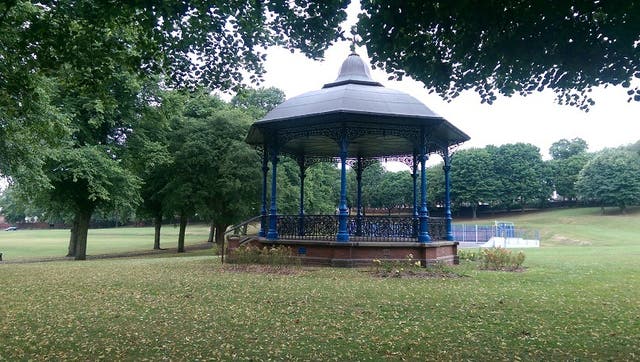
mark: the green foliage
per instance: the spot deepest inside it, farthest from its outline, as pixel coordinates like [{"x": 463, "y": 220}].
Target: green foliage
[
  {"x": 612, "y": 177},
  {"x": 564, "y": 148},
  {"x": 520, "y": 172},
  {"x": 473, "y": 178},
  {"x": 258, "y": 102},
  {"x": 322, "y": 188},
  {"x": 372, "y": 176},
  {"x": 435, "y": 185},
  {"x": 469, "y": 254},
  {"x": 214, "y": 173},
  {"x": 274, "y": 255},
  {"x": 565, "y": 172},
  {"x": 15, "y": 208},
  {"x": 394, "y": 191},
  {"x": 501, "y": 259},
  {"x": 499, "y": 48}
]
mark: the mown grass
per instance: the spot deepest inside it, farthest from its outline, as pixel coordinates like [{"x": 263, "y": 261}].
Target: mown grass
[
  {"x": 578, "y": 226},
  {"x": 33, "y": 244},
  {"x": 574, "y": 302}
]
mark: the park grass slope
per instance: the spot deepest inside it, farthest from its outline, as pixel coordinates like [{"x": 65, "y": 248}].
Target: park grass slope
[{"x": 574, "y": 301}]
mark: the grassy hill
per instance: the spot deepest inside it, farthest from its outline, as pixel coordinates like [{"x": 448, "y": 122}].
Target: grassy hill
[{"x": 576, "y": 226}]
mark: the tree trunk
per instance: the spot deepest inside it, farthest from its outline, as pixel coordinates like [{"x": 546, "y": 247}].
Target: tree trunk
[
  {"x": 212, "y": 230},
  {"x": 74, "y": 237},
  {"x": 81, "y": 234},
  {"x": 220, "y": 230},
  {"x": 157, "y": 223},
  {"x": 474, "y": 210},
  {"x": 183, "y": 228}
]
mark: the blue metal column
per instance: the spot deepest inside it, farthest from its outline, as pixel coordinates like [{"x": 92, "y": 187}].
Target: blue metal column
[
  {"x": 273, "y": 211},
  {"x": 263, "y": 209},
  {"x": 447, "y": 192},
  {"x": 301, "y": 213},
  {"x": 414, "y": 176},
  {"x": 423, "y": 236},
  {"x": 343, "y": 234},
  {"x": 359, "y": 169}
]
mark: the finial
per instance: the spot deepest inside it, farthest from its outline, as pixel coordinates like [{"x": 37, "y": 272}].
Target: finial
[{"x": 353, "y": 40}]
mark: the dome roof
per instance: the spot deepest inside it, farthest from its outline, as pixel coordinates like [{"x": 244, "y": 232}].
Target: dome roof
[
  {"x": 354, "y": 91},
  {"x": 353, "y": 100}
]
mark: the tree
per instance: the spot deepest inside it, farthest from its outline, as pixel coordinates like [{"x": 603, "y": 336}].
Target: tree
[
  {"x": 29, "y": 123},
  {"x": 12, "y": 209},
  {"x": 82, "y": 51},
  {"x": 215, "y": 173},
  {"x": 564, "y": 174},
  {"x": 82, "y": 180},
  {"x": 506, "y": 47},
  {"x": 612, "y": 177},
  {"x": 372, "y": 176},
  {"x": 435, "y": 186},
  {"x": 569, "y": 157},
  {"x": 149, "y": 156},
  {"x": 519, "y": 169},
  {"x": 322, "y": 188},
  {"x": 258, "y": 102},
  {"x": 564, "y": 148},
  {"x": 206, "y": 43},
  {"x": 233, "y": 186},
  {"x": 473, "y": 179},
  {"x": 394, "y": 191}
]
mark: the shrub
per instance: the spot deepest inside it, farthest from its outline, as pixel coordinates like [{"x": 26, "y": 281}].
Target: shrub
[
  {"x": 469, "y": 255},
  {"x": 274, "y": 255},
  {"x": 501, "y": 259}
]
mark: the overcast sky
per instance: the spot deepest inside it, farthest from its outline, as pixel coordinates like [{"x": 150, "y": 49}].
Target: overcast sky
[{"x": 534, "y": 119}]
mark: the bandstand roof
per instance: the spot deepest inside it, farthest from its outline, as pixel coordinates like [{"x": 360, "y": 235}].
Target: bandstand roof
[{"x": 382, "y": 121}]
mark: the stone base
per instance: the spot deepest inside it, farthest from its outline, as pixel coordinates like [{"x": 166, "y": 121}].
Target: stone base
[{"x": 358, "y": 253}]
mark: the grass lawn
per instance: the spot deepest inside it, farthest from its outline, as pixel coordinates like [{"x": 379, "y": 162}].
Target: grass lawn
[
  {"x": 577, "y": 300},
  {"x": 30, "y": 244}
]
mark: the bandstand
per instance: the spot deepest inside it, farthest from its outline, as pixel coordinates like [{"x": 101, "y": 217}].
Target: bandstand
[{"x": 353, "y": 121}]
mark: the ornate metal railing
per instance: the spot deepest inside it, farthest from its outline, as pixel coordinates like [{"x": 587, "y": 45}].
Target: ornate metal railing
[{"x": 363, "y": 228}]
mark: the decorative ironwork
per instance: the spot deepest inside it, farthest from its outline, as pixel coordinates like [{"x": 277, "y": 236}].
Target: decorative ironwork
[
  {"x": 404, "y": 159},
  {"x": 316, "y": 227},
  {"x": 374, "y": 228},
  {"x": 333, "y": 132}
]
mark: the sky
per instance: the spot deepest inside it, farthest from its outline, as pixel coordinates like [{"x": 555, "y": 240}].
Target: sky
[{"x": 534, "y": 119}]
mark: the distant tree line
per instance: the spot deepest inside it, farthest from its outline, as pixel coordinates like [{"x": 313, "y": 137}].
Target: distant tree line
[{"x": 514, "y": 176}]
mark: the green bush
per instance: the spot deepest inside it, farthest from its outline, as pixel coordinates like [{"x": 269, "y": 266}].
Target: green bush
[
  {"x": 501, "y": 259},
  {"x": 274, "y": 255},
  {"x": 469, "y": 255}
]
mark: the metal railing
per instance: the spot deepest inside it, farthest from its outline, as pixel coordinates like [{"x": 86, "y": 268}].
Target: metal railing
[
  {"x": 361, "y": 228},
  {"x": 241, "y": 228},
  {"x": 469, "y": 233}
]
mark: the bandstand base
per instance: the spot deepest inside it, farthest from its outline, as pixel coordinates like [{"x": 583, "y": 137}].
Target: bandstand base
[{"x": 358, "y": 253}]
